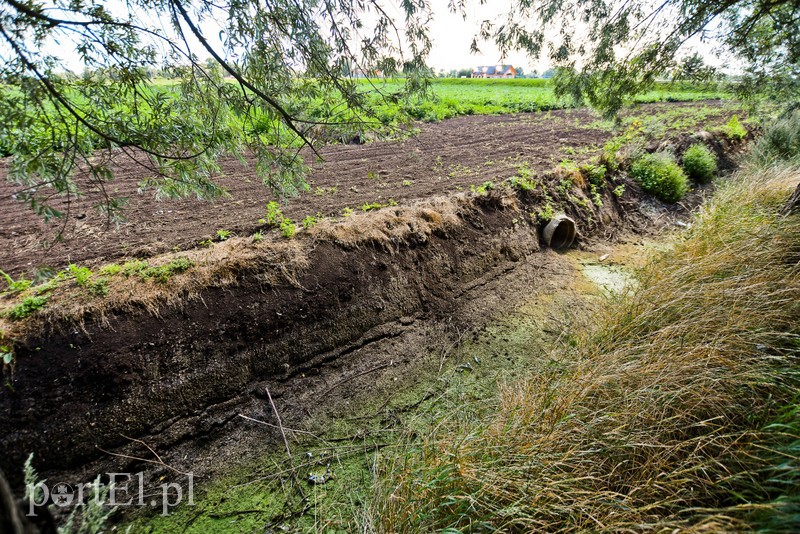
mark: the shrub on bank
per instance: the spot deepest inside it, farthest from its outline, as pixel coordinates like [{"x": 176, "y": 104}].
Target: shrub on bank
[
  {"x": 660, "y": 175},
  {"x": 700, "y": 163}
]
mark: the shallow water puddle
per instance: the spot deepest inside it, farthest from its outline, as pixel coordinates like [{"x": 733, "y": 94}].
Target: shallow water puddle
[
  {"x": 609, "y": 278},
  {"x": 610, "y": 268}
]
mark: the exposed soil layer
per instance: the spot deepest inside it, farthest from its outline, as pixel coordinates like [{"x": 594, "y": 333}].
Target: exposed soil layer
[
  {"x": 184, "y": 374},
  {"x": 445, "y": 157}
]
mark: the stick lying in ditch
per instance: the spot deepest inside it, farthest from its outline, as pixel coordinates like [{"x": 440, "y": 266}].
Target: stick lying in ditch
[
  {"x": 286, "y": 442},
  {"x": 292, "y": 430},
  {"x": 362, "y": 373},
  {"x": 157, "y": 461}
]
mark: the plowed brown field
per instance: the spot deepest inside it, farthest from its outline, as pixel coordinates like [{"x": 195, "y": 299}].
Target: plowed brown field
[{"x": 444, "y": 157}]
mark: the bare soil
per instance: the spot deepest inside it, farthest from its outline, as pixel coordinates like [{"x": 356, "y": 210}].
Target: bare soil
[{"x": 445, "y": 157}]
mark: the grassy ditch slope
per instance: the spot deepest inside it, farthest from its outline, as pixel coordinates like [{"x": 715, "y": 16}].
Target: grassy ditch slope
[{"x": 678, "y": 410}]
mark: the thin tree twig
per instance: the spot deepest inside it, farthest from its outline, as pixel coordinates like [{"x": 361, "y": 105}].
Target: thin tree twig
[
  {"x": 362, "y": 373},
  {"x": 294, "y": 430},
  {"x": 129, "y": 457}
]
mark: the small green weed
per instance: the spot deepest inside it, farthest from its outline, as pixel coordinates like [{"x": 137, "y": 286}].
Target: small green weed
[
  {"x": 483, "y": 188},
  {"x": 160, "y": 274},
  {"x": 82, "y": 275},
  {"x": 98, "y": 287},
  {"x": 595, "y": 174},
  {"x": 371, "y": 206},
  {"x": 48, "y": 285},
  {"x": 525, "y": 172},
  {"x": 564, "y": 186},
  {"x": 597, "y": 199},
  {"x": 258, "y": 237},
  {"x": 15, "y": 286},
  {"x": 545, "y": 213},
  {"x": 109, "y": 270},
  {"x": 569, "y": 166},
  {"x": 27, "y": 307},
  {"x": 524, "y": 184},
  {"x": 619, "y": 191},
  {"x": 274, "y": 214},
  {"x": 163, "y": 273},
  {"x": 7, "y": 354},
  {"x": 223, "y": 235},
  {"x": 288, "y": 228},
  {"x": 310, "y": 221},
  {"x": 347, "y": 212},
  {"x": 134, "y": 267},
  {"x": 734, "y": 129}
]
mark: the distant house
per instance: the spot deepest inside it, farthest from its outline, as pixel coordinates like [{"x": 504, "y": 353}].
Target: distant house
[
  {"x": 495, "y": 71},
  {"x": 361, "y": 73}
]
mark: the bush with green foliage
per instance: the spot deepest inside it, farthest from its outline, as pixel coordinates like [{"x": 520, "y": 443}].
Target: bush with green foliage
[
  {"x": 660, "y": 175},
  {"x": 700, "y": 163}
]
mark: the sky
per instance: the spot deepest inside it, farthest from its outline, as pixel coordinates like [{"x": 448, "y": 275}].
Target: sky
[
  {"x": 452, "y": 36},
  {"x": 450, "y": 33}
]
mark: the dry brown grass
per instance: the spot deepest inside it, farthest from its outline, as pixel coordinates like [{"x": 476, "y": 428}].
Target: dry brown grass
[
  {"x": 656, "y": 421},
  {"x": 392, "y": 227}
]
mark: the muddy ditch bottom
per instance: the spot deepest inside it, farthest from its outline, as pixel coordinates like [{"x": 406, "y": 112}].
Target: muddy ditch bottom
[{"x": 348, "y": 420}]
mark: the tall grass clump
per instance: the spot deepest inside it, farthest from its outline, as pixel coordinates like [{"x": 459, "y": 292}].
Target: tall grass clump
[
  {"x": 780, "y": 141},
  {"x": 677, "y": 411},
  {"x": 660, "y": 175}
]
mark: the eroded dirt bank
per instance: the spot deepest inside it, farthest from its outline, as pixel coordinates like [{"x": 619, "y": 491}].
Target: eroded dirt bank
[{"x": 181, "y": 377}]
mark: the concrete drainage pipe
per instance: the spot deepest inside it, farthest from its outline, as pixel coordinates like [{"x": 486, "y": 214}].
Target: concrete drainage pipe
[{"x": 560, "y": 232}]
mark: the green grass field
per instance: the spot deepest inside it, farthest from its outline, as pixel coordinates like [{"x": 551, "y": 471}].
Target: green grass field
[
  {"x": 386, "y": 108},
  {"x": 453, "y": 97}
]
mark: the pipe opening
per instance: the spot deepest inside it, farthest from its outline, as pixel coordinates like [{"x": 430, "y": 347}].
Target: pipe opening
[{"x": 560, "y": 232}]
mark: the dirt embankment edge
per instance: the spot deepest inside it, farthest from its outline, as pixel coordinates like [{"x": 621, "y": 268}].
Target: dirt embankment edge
[{"x": 178, "y": 371}]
